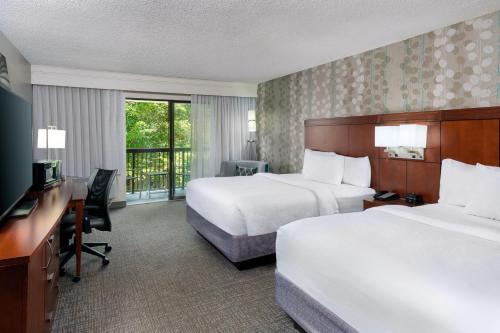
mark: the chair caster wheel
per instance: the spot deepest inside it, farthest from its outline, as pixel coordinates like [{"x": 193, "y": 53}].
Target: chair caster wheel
[
  {"x": 105, "y": 261},
  {"x": 76, "y": 279},
  {"x": 108, "y": 248},
  {"x": 62, "y": 272}
]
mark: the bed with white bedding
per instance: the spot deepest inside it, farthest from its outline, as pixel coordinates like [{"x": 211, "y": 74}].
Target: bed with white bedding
[
  {"x": 240, "y": 215},
  {"x": 391, "y": 269}
]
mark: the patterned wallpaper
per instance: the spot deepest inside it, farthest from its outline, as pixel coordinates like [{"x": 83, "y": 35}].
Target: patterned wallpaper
[{"x": 454, "y": 67}]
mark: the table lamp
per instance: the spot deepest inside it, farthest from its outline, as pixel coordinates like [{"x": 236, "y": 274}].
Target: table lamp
[{"x": 51, "y": 138}]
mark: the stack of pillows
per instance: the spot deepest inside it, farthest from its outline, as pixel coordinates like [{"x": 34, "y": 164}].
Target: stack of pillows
[
  {"x": 474, "y": 187},
  {"x": 331, "y": 168}
]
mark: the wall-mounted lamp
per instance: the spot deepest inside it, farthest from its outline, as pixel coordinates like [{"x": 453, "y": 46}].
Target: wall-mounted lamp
[
  {"x": 404, "y": 141},
  {"x": 252, "y": 122},
  {"x": 51, "y": 137},
  {"x": 252, "y": 128}
]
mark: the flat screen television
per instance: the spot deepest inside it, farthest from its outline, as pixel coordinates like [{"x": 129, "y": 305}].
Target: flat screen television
[{"x": 16, "y": 146}]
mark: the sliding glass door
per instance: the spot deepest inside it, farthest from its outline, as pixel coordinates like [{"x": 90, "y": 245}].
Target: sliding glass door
[
  {"x": 158, "y": 149},
  {"x": 181, "y": 147}
]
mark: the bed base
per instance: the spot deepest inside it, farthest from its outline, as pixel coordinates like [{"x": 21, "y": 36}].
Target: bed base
[
  {"x": 246, "y": 264},
  {"x": 243, "y": 251},
  {"x": 305, "y": 311}
]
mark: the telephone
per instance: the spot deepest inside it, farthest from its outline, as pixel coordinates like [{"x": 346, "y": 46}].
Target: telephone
[
  {"x": 413, "y": 198},
  {"x": 384, "y": 195}
]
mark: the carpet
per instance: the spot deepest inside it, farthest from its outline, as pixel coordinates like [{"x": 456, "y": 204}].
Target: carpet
[{"x": 163, "y": 277}]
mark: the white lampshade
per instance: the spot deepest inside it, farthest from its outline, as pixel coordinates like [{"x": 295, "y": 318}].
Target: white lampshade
[
  {"x": 413, "y": 136},
  {"x": 252, "y": 123},
  {"x": 387, "y": 136},
  {"x": 251, "y": 115},
  {"x": 57, "y": 138}
]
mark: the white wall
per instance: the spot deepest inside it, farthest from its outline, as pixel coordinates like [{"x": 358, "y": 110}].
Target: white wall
[{"x": 19, "y": 69}]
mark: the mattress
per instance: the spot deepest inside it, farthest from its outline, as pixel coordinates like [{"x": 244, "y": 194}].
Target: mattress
[
  {"x": 231, "y": 202},
  {"x": 398, "y": 269}
]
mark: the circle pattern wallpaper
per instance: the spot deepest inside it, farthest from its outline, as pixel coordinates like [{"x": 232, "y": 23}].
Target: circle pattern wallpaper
[{"x": 450, "y": 68}]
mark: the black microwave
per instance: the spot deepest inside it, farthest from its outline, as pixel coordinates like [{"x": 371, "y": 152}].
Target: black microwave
[{"x": 46, "y": 174}]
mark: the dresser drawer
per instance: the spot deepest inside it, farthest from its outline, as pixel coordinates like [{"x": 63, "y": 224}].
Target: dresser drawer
[
  {"x": 51, "y": 274},
  {"x": 52, "y": 292},
  {"x": 51, "y": 266}
]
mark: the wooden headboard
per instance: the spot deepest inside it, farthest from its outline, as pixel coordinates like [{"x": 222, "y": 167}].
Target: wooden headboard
[{"x": 467, "y": 135}]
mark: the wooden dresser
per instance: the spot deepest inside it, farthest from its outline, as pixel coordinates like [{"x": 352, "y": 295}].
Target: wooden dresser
[{"x": 29, "y": 263}]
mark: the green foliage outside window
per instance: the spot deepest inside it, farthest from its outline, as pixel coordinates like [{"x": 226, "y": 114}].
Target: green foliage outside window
[{"x": 147, "y": 126}]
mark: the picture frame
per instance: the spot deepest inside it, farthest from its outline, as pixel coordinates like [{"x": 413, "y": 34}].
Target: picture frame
[{"x": 4, "y": 73}]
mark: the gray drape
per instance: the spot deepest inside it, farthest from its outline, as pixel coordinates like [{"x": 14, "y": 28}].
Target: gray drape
[
  {"x": 219, "y": 132},
  {"x": 94, "y": 120}
]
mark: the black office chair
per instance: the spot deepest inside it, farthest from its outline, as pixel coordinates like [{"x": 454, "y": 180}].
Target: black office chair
[{"x": 96, "y": 217}]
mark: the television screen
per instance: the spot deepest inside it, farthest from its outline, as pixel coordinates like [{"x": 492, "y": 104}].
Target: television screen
[{"x": 16, "y": 156}]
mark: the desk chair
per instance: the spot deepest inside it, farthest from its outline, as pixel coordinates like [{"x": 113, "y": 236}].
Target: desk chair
[{"x": 96, "y": 217}]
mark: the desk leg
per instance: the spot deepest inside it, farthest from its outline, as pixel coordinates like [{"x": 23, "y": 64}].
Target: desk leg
[{"x": 78, "y": 238}]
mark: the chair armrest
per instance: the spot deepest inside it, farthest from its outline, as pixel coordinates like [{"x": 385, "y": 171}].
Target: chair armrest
[
  {"x": 227, "y": 169},
  {"x": 91, "y": 207}
]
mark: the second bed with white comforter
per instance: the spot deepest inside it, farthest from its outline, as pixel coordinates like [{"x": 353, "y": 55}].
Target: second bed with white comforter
[
  {"x": 262, "y": 203},
  {"x": 396, "y": 269}
]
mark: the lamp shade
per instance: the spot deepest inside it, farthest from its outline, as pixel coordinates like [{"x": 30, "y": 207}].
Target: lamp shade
[
  {"x": 252, "y": 123},
  {"x": 413, "y": 136},
  {"x": 387, "y": 136},
  {"x": 56, "y": 138}
]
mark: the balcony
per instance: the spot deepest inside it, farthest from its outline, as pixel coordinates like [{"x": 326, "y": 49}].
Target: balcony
[{"x": 148, "y": 173}]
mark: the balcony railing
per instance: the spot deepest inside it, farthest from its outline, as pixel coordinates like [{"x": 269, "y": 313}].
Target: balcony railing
[{"x": 148, "y": 168}]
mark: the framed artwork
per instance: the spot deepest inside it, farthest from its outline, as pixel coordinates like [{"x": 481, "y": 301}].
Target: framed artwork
[{"x": 4, "y": 74}]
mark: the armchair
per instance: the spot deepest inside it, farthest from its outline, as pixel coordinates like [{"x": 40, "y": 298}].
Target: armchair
[{"x": 228, "y": 168}]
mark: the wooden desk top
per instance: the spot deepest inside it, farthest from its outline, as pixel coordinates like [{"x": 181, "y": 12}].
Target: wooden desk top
[{"x": 20, "y": 237}]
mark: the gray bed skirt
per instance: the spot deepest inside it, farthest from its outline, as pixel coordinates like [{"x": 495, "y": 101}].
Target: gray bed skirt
[
  {"x": 236, "y": 248},
  {"x": 306, "y": 311}
]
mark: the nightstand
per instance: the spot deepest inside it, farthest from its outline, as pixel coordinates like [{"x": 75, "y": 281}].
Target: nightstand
[{"x": 369, "y": 203}]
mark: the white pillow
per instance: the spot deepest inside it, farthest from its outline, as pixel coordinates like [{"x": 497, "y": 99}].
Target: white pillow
[
  {"x": 357, "y": 171},
  {"x": 485, "y": 193},
  {"x": 323, "y": 167},
  {"x": 456, "y": 181}
]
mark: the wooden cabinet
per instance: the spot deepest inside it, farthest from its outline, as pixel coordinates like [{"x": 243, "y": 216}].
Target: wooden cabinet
[
  {"x": 29, "y": 265},
  {"x": 29, "y": 289},
  {"x": 42, "y": 279},
  {"x": 51, "y": 274}
]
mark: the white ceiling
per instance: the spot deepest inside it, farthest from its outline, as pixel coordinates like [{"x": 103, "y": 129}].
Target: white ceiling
[{"x": 226, "y": 40}]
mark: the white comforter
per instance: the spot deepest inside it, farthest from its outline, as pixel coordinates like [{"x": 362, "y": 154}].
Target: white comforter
[
  {"x": 399, "y": 269},
  {"x": 264, "y": 201}
]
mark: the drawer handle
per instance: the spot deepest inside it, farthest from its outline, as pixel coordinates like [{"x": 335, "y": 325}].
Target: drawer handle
[
  {"x": 51, "y": 280},
  {"x": 49, "y": 242}
]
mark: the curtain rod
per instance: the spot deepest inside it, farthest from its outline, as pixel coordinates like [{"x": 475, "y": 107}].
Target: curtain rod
[{"x": 154, "y": 93}]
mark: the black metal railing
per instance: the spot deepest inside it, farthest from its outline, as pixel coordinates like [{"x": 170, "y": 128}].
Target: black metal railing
[{"x": 148, "y": 168}]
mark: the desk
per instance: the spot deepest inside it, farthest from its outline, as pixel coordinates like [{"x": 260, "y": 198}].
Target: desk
[{"x": 29, "y": 259}]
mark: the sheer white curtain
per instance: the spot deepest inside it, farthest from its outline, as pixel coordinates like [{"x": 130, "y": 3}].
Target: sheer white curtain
[
  {"x": 219, "y": 132},
  {"x": 94, "y": 120}
]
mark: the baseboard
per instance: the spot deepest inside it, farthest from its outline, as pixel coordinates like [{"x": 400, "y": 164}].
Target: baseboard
[{"x": 118, "y": 204}]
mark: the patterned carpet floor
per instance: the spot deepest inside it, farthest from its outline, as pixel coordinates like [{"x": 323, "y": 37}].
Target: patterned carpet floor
[{"x": 163, "y": 277}]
